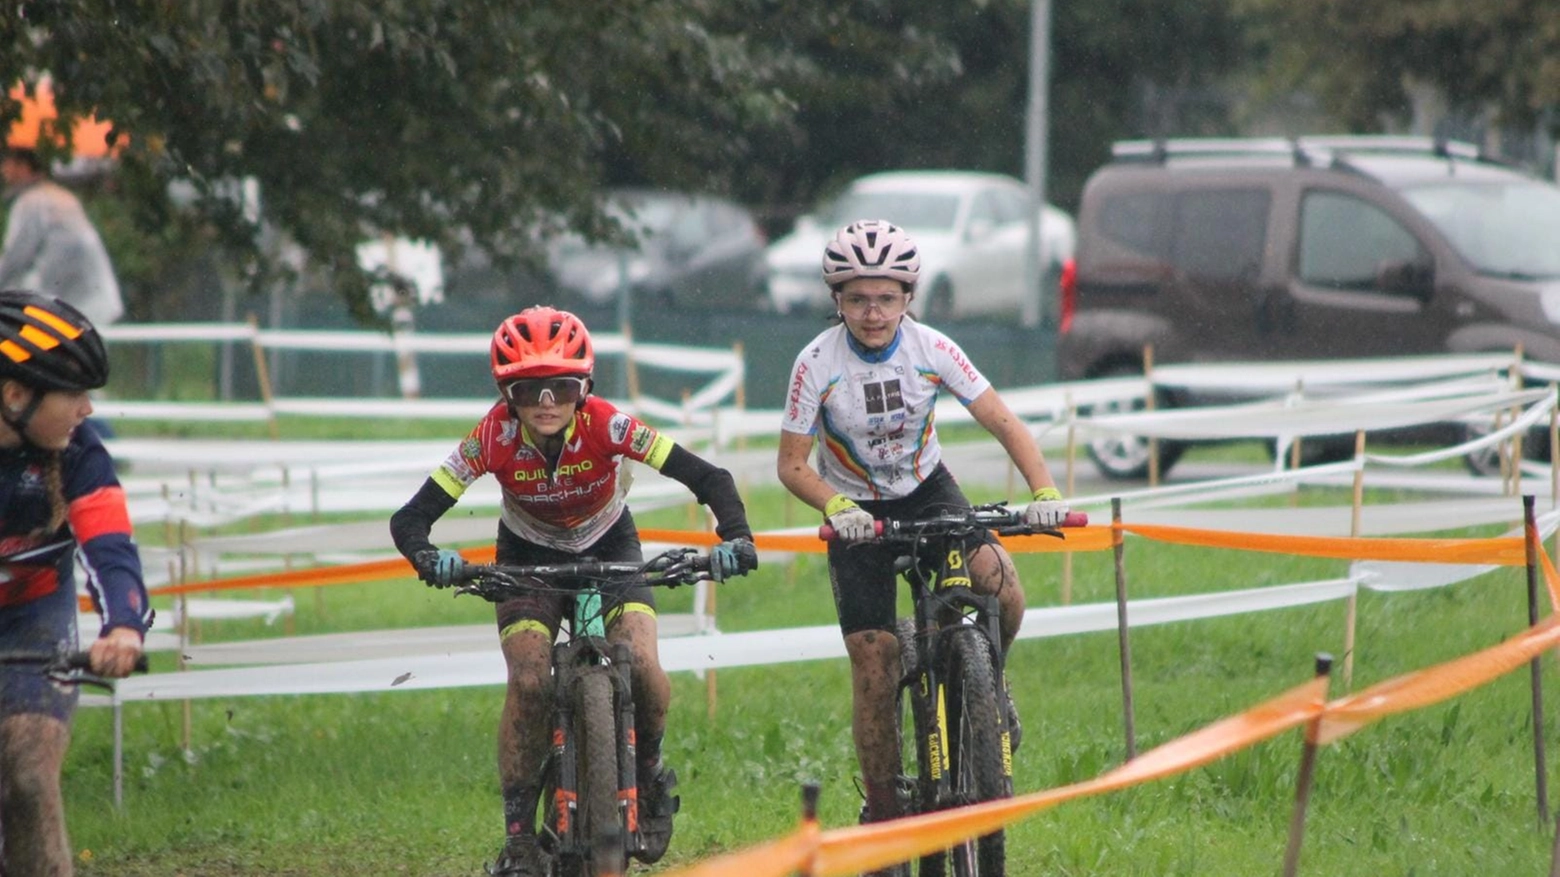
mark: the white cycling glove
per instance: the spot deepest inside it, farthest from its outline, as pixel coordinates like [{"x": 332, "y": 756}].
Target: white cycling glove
[
  {"x": 1047, "y": 510},
  {"x": 851, "y": 522}
]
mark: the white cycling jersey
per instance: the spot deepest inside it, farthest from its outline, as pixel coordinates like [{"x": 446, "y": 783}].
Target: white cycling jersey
[{"x": 874, "y": 411}]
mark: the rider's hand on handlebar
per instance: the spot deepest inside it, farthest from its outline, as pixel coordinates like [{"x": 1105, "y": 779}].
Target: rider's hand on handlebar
[
  {"x": 440, "y": 568},
  {"x": 116, "y": 652},
  {"x": 734, "y": 557},
  {"x": 1047, "y": 510},
  {"x": 851, "y": 522}
]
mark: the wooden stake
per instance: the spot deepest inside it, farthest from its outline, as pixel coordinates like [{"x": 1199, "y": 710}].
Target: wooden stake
[
  {"x": 1354, "y": 531},
  {"x": 1071, "y": 481},
  {"x": 263, "y": 376},
  {"x": 1149, "y": 405},
  {"x": 1535, "y": 668},
  {"x": 1123, "y": 630},
  {"x": 1303, "y": 781}
]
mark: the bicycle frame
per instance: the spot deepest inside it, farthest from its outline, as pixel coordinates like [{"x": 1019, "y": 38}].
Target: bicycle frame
[
  {"x": 590, "y": 823},
  {"x": 952, "y": 663}
]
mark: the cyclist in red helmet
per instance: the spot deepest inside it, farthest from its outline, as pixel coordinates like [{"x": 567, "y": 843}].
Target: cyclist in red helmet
[
  {"x": 557, "y": 452},
  {"x": 58, "y": 496}
]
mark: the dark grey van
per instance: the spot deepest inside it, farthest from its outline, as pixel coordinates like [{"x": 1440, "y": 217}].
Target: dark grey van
[{"x": 1313, "y": 248}]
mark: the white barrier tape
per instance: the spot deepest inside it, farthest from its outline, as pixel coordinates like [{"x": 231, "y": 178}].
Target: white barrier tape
[
  {"x": 1539, "y": 410},
  {"x": 159, "y": 332},
  {"x": 1540, "y": 371},
  {"x": 1282, "y": 377},
  {"x": 1195, "y": 491},
  {"x": 225, "y": 412},
  {"x": 713, "y": 651},
  {"x": 1280, "y": 420}
]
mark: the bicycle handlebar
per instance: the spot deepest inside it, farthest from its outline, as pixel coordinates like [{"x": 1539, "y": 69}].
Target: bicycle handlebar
[
  {"x": 678, "y": 566},
  {"x": 69, "y": 668},
  {"x": 993, "y": 517}
]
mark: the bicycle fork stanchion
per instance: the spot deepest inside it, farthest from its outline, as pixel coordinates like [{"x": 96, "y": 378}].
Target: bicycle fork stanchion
[
  {"x": 1303, "y": 781},
  {"x": 1530, "y": 539},
  {"x": 630, "y": 807},
  {"x": 1123, "y": 631}
]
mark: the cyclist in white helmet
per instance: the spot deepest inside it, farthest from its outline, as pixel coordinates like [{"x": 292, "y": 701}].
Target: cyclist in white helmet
[{"x": 865, "y": 391}]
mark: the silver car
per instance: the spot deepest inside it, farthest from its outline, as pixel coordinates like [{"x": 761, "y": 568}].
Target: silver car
[{"x": 971, "y": 228}]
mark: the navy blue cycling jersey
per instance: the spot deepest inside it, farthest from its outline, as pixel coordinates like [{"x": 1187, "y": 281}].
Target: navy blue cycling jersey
[{"x": 37, "y": 560}]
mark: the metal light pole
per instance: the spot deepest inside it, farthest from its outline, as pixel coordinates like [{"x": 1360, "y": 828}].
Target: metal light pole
[{"x": 1032, "y": 306}]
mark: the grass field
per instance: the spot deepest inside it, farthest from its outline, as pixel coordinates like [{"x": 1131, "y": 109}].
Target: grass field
[{"x": 405, "y": 783}]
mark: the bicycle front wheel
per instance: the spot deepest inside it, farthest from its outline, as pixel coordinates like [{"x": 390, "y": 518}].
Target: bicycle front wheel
[
  {"x": 596, "y": 735},
  {"x": 981, "y": 770}
]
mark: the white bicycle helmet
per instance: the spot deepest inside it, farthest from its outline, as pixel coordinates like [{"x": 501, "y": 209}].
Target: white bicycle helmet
[{"x": 871, "y": 248}]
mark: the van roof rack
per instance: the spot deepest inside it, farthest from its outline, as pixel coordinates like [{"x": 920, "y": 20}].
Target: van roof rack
[{"x": 1308, "y": 150}]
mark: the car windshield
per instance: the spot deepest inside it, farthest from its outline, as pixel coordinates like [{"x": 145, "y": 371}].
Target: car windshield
[
  {"x": 1505, "y": 229},
  {"x": 922, "y": 210}
]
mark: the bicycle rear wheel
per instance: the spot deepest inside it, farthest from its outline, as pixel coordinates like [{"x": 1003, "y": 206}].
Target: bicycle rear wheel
[
  {"x": 596, "y": 738},
  {"x": 980, "y": 769}
]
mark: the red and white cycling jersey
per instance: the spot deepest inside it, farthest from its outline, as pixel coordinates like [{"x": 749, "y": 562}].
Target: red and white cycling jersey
[
  {"x": 873, "y": 413},
  {"x": 569, "y": 505}
]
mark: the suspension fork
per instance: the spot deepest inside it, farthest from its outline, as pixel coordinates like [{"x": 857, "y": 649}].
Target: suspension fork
[{"x": 627, "y": 737}]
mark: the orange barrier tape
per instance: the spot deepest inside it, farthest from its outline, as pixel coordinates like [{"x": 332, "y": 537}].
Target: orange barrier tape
[
  {"x": 1504, "y": 551},
  {"x": 1434, "y": 684},
  {"x": 1501, "y": 551},
  {"x": 345, "y": 574},
  {"x": 849, "y": 851},
  {"x": 783, "y": 857},
  {"x": 1551, "y": 579}
]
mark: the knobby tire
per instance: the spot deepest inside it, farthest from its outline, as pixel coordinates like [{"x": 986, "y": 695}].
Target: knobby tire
[
  {"x": 596, "y": 736},
  {"x": 975, "y": 745},
  {"x": 922, "y": 721}
]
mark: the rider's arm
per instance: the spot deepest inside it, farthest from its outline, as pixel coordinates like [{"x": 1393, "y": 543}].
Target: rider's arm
[
  {"x": 410, "y": 526},
  {"x": 100, "y": 523},
  {"x": 712, "y": 486},
  {"x": 797, "y": 474},
  {"x": 991, "y": 412}
]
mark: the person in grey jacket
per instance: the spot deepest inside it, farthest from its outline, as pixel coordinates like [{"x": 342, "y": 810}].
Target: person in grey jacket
[{"x": 50, "y": 244}]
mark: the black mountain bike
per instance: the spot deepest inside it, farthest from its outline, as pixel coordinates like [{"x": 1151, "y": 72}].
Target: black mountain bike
[
  {"x": 951, "y": 690},
  {"x": 590, "y": 790}
]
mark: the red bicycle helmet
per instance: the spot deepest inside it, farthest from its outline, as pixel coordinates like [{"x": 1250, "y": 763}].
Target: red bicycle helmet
[{"x": 542, "y": 342}]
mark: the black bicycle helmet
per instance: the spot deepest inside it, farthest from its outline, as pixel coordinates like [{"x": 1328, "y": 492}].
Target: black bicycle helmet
[{"x": 49, "y": 345}]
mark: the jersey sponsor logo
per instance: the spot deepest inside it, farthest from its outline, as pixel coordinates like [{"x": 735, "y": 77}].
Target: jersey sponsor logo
[
  {"x": 617, "y": 428},
  {"x": 643, "y": 436},
  {"x": 471, "y": 448},
  {"x": 565, "y": 470},
  {"x": 795, "y": 395},
  {"x": 957, "y": 355}
]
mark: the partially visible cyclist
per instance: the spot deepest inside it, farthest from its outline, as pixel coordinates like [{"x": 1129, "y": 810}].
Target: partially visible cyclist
[
  {"x": 865, "y": 391},
  {"x": 557, "y": 452},
  {"x": 58, "y": 496}
]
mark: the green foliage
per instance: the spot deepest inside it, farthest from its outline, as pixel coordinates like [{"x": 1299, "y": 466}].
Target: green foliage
[{"x": 1363, "y": 57}]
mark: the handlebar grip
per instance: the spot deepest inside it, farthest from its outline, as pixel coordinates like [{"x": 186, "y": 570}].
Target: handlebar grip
[
  {"x": 1076, "y": 519},
  {"x": 82, "y": 660},
  {"x": 827, "y": 534}
]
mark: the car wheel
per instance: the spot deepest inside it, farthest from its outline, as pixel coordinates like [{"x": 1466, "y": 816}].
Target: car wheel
[
  {"x": 1123, "y": 457},
  {"x": 938, "y": 305},
  {"x": 1485, "y": 462}
]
